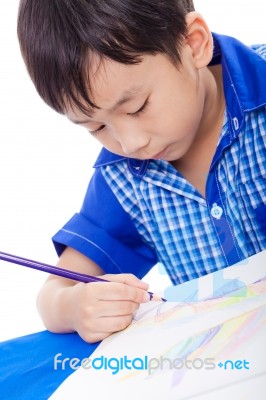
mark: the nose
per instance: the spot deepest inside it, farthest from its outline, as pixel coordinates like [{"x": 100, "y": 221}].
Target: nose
[
  {"x": 131, "y": 139},
  {"x": 132, "y": 145}
]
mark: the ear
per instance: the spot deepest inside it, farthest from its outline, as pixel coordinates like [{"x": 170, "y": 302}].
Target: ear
[{"x": 199, "y": 39}]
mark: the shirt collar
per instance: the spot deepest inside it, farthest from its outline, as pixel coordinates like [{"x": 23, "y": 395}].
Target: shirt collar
[
  {"x": 244, "y": 77},
  {"x": 106, "y": 157}
]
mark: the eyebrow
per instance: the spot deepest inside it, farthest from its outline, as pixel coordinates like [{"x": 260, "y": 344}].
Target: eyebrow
[{"x": 126, "y": 96}]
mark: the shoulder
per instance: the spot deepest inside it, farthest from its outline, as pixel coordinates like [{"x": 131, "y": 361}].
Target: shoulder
[
  {"x": 244, "y": 76},
  {"x": 232, "y": 51}
]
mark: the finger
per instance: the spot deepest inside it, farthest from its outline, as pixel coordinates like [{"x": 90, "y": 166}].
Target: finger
[
  {"x": 117, "y": 291},
  {"x": 128, "y": 279},
  {"x": 112, "y": 324},
  {"x": 115, "y": 308},
  {"x": 103, "y": 327}
]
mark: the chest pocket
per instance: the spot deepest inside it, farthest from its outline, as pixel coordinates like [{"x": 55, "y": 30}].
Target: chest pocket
[{"x": 253, "y": 198}]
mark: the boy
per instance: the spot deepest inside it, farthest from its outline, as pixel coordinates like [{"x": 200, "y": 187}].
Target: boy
[{"x": 181, "y": 179}]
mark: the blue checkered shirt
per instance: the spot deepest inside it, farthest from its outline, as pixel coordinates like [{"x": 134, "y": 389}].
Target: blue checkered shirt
[{"x": 137, "y": 212}]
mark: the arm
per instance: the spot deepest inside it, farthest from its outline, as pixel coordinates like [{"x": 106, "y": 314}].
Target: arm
[{"x": 94, "y": 310}]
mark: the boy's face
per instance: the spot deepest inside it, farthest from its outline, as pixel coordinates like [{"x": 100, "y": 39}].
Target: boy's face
[{"x": 150, "y": 110}]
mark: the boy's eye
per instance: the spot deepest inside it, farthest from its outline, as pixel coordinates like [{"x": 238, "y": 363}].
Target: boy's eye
[
  {"x": 94, "y": 133},
  {"x": 134, "y": 114},
  {"x": 141, "y": 109}
]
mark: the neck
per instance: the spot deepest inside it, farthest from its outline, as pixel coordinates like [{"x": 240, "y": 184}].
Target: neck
[
  {"x": 195, "y": 164},
  {"x": 212, "y": 118}
]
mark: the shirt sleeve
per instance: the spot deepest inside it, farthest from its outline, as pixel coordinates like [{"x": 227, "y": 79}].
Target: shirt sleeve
[{"x": 105, "y": 233}]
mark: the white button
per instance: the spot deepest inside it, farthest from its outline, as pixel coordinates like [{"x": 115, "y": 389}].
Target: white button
[
  {"x": 236, "y": 123},
  {"x": 216, "y": 211}
]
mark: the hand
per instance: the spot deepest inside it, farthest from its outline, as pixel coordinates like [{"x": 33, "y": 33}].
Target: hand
[{"x": 101, "y": 308}]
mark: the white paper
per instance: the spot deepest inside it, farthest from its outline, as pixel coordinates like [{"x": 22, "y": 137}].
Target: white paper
[{"x": 230, "y": 330}]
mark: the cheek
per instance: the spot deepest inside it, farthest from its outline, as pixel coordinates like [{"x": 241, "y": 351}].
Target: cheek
[
  {"x": 179, "y": 121},
  {"x": 187, "y": 113}
]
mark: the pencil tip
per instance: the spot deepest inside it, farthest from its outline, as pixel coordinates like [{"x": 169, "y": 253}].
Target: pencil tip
[{"x": 155, "y": 297}]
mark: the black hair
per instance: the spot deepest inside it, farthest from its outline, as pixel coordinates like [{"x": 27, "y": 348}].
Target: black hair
[{"x": 57, "y": 37}]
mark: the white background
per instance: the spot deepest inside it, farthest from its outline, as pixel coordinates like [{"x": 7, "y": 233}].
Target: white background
[{"x": 46, "y": 162}]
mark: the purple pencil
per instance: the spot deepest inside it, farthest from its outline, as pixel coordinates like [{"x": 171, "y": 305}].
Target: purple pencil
[{"x": 65, "y": 273}]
